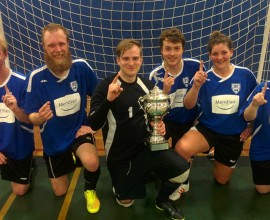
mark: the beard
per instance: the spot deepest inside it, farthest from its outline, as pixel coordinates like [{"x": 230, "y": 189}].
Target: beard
[{"x": 58, "y": 66}]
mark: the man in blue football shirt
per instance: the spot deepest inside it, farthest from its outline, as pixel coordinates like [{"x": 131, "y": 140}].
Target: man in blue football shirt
[
  {"x": 16, "y": 136},
  {"x": 173, "y": 77},
  {"x": 56, "y": 101}
]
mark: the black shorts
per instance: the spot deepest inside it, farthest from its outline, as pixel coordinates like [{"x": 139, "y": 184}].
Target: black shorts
[
  {"x": 128, "y": 179},
  {"x": 228, "y": 148},
  {"x": 17, "y": 171},
  {"x": 176, "y": 131},
  {"x": 60, "y": 164},
  {"x": 261, "y": 172},
  {"x": 66, "y": 162}
]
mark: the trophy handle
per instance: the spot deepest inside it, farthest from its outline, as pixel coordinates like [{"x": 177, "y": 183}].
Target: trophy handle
[
  {"x": 141, "y": 101},
  {"x": 155, "y": 78},
  {"x": 171, "y": 98}
]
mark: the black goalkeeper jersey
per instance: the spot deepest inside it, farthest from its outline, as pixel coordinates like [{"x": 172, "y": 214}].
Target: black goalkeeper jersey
[{"x": 123, "y": 122}]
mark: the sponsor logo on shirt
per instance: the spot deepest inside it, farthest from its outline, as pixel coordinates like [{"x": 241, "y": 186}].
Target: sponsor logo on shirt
[
  {"x": 67, "y": 105},
  {"x": 179, "y": 98},
  {"x": 225, "y": 104},
  {"x": 6, "y": 115}
]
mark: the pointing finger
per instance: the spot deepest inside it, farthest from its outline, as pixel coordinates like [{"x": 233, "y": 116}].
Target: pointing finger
[
  {"x": 7, "y": 90},
  {"x": 45, "y": 106},
  {"x": 115, "y": 78},
  {"x": 166, "y": 75},
  {"x": 264, "y": 89},
  {"x": 201, "y": 66}
]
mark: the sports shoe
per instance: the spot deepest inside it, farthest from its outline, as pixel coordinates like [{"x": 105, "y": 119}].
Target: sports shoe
[
  {"x": 92, "y": 201},
  {"x": 211, "y": 155},
  {"x": 178, "y": 192},
  {"x": 126, "y": 205},
  {"x": 171, "y": 209}
]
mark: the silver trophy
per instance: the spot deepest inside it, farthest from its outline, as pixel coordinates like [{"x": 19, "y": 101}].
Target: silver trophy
[{"x": 156, "y": 104}]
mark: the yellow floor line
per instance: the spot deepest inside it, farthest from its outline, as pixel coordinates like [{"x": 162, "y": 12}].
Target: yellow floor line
[
  {"x": 7, "y": 205},
  {"x": 67, "y": 201}
]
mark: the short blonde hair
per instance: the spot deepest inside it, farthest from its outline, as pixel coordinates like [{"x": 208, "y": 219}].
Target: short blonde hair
[{"x": 3, "y": 45}]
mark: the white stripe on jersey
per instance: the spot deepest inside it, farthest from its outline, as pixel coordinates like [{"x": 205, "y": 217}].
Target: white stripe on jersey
[
  {"x": 18, "y": 75},
  {"x": 111, "y": 132},
  {"x": 141, "y": 84},
  {"x": 190, "y": 59},
  {"x": 82, "y": 60},
  {"x": 43, "y": 127},
  {"x": 29, "y": 86},
  {"x": 257, "y": 130},
  {"x": 27, "y": 129},
  {"x": 154, "y": 71}
]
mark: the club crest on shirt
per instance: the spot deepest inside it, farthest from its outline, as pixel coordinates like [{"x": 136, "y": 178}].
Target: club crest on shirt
[
  {"x": 236, "y": 87},
  {"x": 186, "y": 81},
  {"x": 74, "y": 86}
]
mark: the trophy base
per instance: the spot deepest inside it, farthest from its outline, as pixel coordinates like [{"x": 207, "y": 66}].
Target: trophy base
[{"x": 159, "y": 146}]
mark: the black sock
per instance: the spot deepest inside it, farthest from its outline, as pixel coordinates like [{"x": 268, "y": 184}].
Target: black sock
[
  {"x": 91, "y": 179},
  {"x": 167, "y": 188}
]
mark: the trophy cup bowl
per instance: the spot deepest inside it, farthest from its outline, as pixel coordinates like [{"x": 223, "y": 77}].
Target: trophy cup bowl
[{"x": 155, "y": 104}]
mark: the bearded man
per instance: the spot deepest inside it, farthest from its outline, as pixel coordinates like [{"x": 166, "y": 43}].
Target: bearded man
[{"x": 56, "y": 101}]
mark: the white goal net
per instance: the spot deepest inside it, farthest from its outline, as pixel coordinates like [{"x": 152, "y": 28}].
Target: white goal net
[{"x": 96, "y": 26}]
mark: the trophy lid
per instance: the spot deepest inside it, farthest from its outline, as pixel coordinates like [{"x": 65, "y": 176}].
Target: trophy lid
[{"x": 157, "y": 94}]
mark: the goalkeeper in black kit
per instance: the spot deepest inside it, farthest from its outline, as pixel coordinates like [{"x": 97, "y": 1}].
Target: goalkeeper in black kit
[{"x": 115, "y": 109}]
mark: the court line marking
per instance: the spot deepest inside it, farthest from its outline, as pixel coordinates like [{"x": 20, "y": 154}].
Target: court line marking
[
  {"x": 7, "y": 205},
  {"x": 63, "y": 212}
]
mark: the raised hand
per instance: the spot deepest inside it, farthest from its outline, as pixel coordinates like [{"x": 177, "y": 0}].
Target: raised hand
[
  {"x": 259, "y": 99},
  {"x": 200, "y": 76},
  {"x": 9, "y": 100},
  {"x": 168, "y": 82},
  {"x": 114, "y": 89},
  {"x": 45, "y": 113}
]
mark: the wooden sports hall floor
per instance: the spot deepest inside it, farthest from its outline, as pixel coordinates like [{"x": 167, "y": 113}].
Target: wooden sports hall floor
[{"x": 206, "y": 200}]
